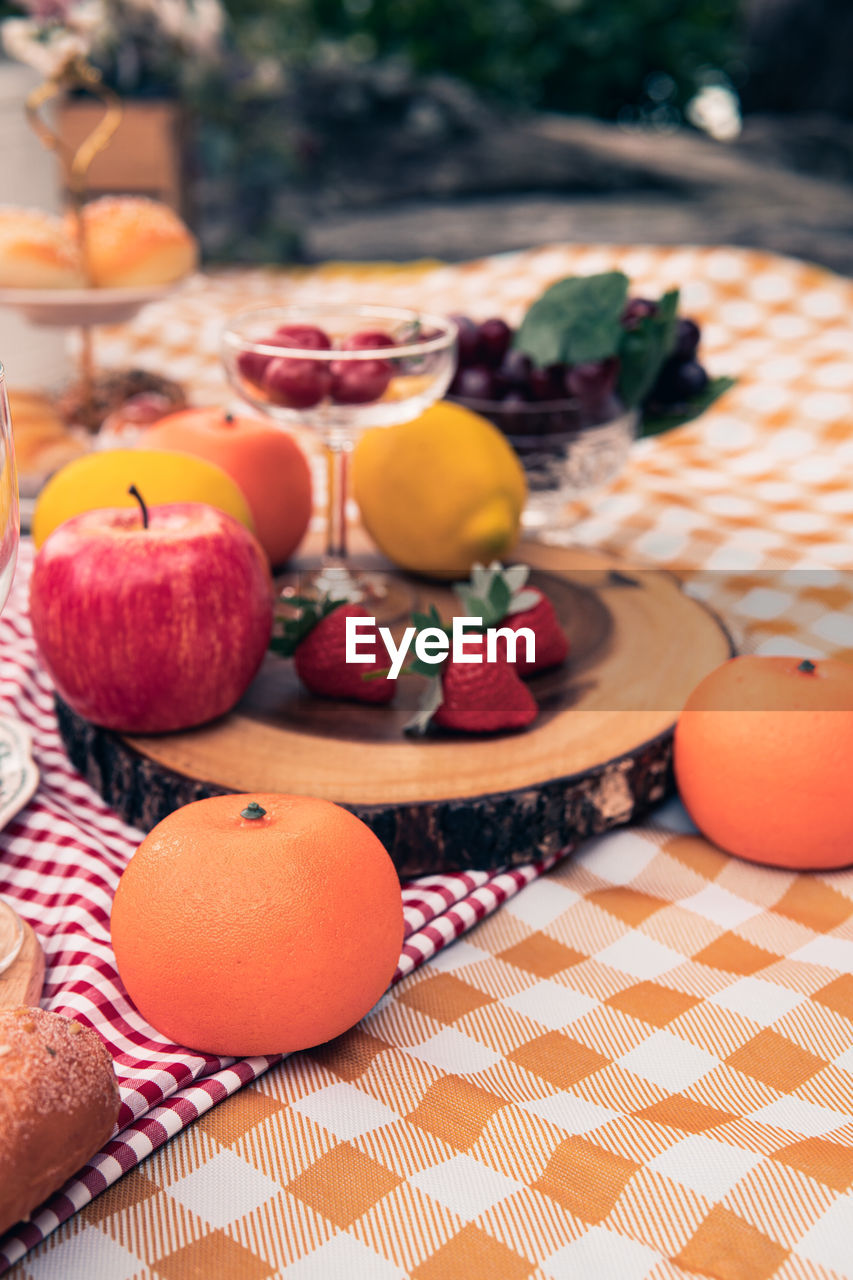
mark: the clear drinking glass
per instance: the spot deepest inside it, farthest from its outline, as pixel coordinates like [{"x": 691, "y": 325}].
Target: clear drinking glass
[
  {"x": 385, "y": 365},
  {"x": 11, "y": 929},
  {"x": 9, "y": 518}
]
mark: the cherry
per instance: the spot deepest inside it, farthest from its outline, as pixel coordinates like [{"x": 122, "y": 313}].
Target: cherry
[
  {"x": 367, "y": 340},
  {"x": 494, "y": 337},
  {"x": 306, "y": 336},
  {"x": 360, "y": 381},
  {"x": 296, "y": 384},
  {"x": 251, "y": 365}
]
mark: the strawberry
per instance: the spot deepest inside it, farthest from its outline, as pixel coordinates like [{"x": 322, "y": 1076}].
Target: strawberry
[
  {"x": 476, "y": 698},
  {"x": 501, "y": 598},
  {"x": 483, "y": 698},
  {"x": 552, "y": 646},
  {"x": 316, "y": 640}
]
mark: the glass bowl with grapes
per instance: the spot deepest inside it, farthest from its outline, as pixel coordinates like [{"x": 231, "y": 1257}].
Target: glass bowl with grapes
[{"x": 587, "y": 371}]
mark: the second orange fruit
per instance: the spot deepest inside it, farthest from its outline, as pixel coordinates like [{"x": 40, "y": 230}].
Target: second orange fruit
[
  {"x": 762, "y": 760},
  {"x": 265, "y": 462},
  {"x": 257, "y": 924}
]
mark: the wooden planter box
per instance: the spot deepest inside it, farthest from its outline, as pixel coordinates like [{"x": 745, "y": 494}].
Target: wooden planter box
[{"x": 145, "y": 156}]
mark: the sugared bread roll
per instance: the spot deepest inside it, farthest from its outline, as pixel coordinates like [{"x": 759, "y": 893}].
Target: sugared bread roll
[
  {"x": 132, "y": 241},
  {"x": 36, "y": 252},
  {"x": 58, "y": 1105}
]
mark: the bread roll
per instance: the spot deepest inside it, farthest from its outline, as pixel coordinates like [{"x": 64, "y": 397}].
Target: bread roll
[
  {"x": 58, "y": 1105},
  {"x": 43, "y": 443},
  {"x": 132, "y": 241},
  {"x": 36, "y": 252}
]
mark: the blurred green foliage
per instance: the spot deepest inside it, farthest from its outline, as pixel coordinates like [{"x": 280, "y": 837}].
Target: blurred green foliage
[{"x": 598, "y": 57}]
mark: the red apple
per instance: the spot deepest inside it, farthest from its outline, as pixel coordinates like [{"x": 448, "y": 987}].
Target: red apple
[{"x": 147, "y": 629}]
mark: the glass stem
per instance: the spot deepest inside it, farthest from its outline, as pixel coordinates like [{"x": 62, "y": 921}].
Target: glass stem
[{"x": 337, "y": 461}]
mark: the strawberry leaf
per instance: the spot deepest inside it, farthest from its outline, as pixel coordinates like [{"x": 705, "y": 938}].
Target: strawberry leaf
[
  {"x": 523, "y": 601},
  {"x": 431, "y": 700},
  {"x": 291, "y": 631},
  {"x": 516, "y": 576}
]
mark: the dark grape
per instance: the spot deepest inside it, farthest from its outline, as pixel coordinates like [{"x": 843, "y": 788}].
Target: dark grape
[
  {"x": 467, "y": 341},
  {"x": 514, "y": 371},
  {"x": 494, "y": 337},
  {"x": 476, "y": 383},
  {"x": 687, "y": 335},
  {"x": 515, "y": 400},
  {"x": 637, "y": 309},
  {"x": 678, "y": 381},
  {"x": 605, "y": 409},
  {"x": 593, "y": 380},
  {"x": 360, "y": 381},
  {"x": 549, "y": 383}
]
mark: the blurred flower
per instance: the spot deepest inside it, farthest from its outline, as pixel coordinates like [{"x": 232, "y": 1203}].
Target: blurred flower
[
  {"x": 48, "y": 49},
  {"x": 715, "y": 109},
  {"x": 48, "y": 10},
  {"x": 194, "y": 26},
  {"x": 136, "y": 44}
]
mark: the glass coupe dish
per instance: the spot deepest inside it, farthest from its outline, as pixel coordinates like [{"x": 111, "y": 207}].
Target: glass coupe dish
[{"x": 340, "y": 371}]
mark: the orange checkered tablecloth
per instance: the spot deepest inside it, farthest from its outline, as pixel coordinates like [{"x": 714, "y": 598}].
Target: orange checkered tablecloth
[{"x": 641, "y": 1066}]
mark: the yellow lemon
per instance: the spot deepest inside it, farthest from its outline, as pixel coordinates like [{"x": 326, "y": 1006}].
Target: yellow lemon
[
  {"x": 440, "y": 493},
  {"x": 102, "y": 479}
]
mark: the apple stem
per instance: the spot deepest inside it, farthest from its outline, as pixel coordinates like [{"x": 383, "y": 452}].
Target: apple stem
[
  {"x": 229, "y": 418},
  {"x": 134, "y": 493},
  {"x": 807, "y": 666},
  {"x": 253, "y": 810}
]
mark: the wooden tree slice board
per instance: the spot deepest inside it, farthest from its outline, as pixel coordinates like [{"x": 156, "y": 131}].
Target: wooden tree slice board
[
  {"x": 598, "y": 755},
  {"x": 22, "y": 982}
]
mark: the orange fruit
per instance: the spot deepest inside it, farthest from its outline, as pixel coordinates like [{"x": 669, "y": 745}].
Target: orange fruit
[
  {"x": 265, "y": 462},
  {"x": 762, "y": 760},
  {"x": 237, "y": 934}
]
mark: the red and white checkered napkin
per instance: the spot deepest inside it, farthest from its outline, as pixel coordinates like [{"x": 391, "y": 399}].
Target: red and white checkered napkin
[{"x": 60, "y": 862}]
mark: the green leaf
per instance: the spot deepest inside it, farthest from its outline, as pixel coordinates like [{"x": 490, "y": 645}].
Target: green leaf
[
  {"x": 576, "y": 320},
  {"x": 643, "y": 349},
  {"x": 657, "y": 423}
]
